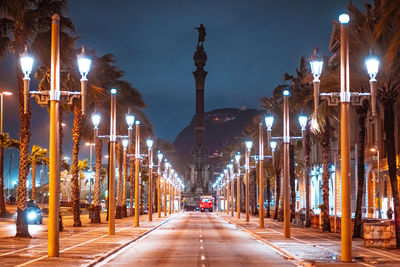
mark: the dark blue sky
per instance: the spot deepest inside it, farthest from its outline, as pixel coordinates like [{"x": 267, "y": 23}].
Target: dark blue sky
[{"x": 250, "y": 45}]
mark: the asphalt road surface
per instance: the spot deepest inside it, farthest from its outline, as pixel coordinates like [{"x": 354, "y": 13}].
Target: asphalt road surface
[{"x": 197, "y": 239}]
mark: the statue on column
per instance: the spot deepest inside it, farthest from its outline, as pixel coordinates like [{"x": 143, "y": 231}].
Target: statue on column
[{"x": 202, "y": 35}]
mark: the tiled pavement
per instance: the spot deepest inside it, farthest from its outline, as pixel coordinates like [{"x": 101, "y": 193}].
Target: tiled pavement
[
  {"x": 78, "y": 245},
  {"x": 312, "y": 247}
]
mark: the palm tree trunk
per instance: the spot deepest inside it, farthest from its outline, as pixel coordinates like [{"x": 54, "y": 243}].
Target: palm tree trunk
[
  {"x": 388, "y": 105},
  {"x": 118, "y": 211},
  {"x": 96, "y": 197},
  {"x": 253, "y": 193},
  {"x": 292, "y": 184},
  {"x": 132, "y": 183},
  {"x": 307, "y": 156},
  {"x": 362, "y": 116},
  {"x": 24, "y": 137},
  {"x": 278, "y": 191},
  {"x": 2, "y": 201},
  {"x": 325, "y": 145},
  {"x": 76, "y": 137},
  {"x": 33, "y": 179}
]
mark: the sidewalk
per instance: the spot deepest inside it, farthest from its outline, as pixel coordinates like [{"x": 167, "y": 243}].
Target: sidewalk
[
  {"x": 312, "y": 247},
  {"x": 84, "y": 245}
]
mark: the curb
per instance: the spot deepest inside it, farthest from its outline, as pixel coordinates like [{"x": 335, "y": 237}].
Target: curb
[
  {"x": 102, "y": 258},
  {"x": 279, "y": 250}
]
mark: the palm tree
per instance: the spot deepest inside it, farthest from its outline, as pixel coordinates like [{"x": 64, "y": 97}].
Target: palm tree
[
  {"x": 307, "y": 167},
  {"x": 96, "y": 194},
  {"x": 362, "y": 112},
  {"x": 118, "y": 211},
  {"x": 5, "y": 142},
  {"x": 21, "y": 21},
  {"x": 378, "y": 29},
  {"x": 37, "y": 157}
]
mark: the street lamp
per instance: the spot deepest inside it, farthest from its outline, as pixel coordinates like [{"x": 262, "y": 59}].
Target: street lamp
[
  {"x": 249, "y": 145},
  {"x": 149, "y": 143},
  {"x": 3, "y": 93},
  {"x": 286, "y": 138},
  {"x": 230, "y": 177},
  {"x": 316, "y": 64},
  {"x": 84, "y": 66},
  {"x": 237, "y": 160},
  {"x": 303, "y": 122},
  {"x": 125, "y": 144},
  {"x": 166, "y": 173},
  {"x": 377, "y": 180},
  {"x": 112, "y": 140},
  {"x": 53, "y": 96},
  {"x": 345, "y": 98},
  {"x": 159, "y": 157}
]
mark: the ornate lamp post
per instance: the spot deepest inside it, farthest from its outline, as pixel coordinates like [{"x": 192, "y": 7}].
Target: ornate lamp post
[
  {"x": 166, "y": 174},
  {"x": 149, "y": 143},
  {"x": 237, "y": 160},
  {"x": 159, "y": 157},
  {"x": 230, "y": 177},
  {"x": 125, "y": 144},
  {"x": 227, "y": 190},
  {"x": 249, "y": 145},
  {"x": 112, "y": 139},
  {"x": 170, "y": 209},
  {"x": 286, "y": 138},
  {"x": 345, "y": 98},
  {"x": 54, "y": 96}
]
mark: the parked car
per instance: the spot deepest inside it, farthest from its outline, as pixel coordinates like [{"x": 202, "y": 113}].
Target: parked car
[{"x": 33, "y": 213}]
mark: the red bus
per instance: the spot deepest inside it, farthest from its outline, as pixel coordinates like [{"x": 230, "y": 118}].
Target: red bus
[{"x": 206, "y": 202}]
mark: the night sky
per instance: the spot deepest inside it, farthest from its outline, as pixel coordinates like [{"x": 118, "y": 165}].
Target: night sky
[{"x": 250, "y": 45}]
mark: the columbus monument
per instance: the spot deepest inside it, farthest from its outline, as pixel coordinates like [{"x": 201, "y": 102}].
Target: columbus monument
[{"x": 198, "y": 173}]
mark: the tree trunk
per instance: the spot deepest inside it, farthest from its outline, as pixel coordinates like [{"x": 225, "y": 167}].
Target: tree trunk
[
  {"x": 76, "y": 137},
  {"x": 132, "y": 183},
  {"x": 252, "y": 193},
  {"x": 96, "y": 195},
  {"x": 307, "y": 156},
  {"x": 278, "y": 191},
  {"x": 362, "y": 116},
  {"x": 325, "y": 145},
  {"x": 33, "y": 179},
  {"x": 2, "y": 200},
  {"x": 24, "y": 137},
  {"x": 124, "y": 189},
  {"x": 118, "y": 211},
  {"x": 292, "y": 184},
  {"x": 388, "y": 105}
]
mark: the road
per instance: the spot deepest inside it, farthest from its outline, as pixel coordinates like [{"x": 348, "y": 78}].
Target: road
[{"x": 197, "y": 239}]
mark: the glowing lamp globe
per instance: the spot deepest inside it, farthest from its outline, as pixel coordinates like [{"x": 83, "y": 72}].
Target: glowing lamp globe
[
  {"x": 83, "y": 63},
  {"x": 96, "y": 120},
  {"x": 303, "y": 121},
  {"x": 372, "y": 63},
  {"x": 269, "y": 121}
]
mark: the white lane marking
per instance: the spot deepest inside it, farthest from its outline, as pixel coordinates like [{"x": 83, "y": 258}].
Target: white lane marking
[
  {"x": 119, "y": 252},
  {"x": 201, "y": 247},
  {"x": 203, "y": 258},
  {"x": 201, "y": 241}
]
